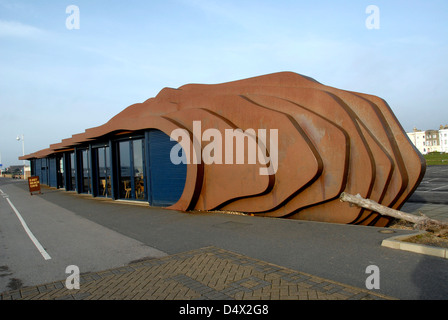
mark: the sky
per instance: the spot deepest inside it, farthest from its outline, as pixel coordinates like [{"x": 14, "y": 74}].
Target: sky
[{"x": 56, "y": 81}]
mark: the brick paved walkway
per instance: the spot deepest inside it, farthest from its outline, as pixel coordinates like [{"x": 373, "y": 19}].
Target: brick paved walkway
[{"x": 205, "y": 274}]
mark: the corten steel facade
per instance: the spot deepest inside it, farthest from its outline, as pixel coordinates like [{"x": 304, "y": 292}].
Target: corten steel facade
[{"x": 329, "y": 141}]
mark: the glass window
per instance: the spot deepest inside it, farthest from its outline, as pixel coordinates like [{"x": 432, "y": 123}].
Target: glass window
[
  {"x": 131, "y": 180},
  {"x": 72, "y": 171},
  {"x": 125, "y": 169},
  {"x": 108, "y": 170},
  {"x": 103, "y": 174},
  {"x": 139, "y": 181},
  {"x": 85, "y": 171},
  {"x": 61, "y": 172}
]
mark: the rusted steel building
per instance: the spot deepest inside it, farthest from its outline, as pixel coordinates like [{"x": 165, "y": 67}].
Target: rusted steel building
[{"x": 312, "y": 141}]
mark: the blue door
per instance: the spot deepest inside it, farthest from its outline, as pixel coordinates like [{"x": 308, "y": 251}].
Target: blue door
[
  {"x": 52, "y": 172},
  {"x": 167, "y": 180},
  {"x": 44, "y": 171},
  {"x": 38, "y": 169}
]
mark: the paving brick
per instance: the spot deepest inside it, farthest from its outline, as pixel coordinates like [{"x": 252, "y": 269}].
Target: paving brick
[{"x": 205, "y": 274}]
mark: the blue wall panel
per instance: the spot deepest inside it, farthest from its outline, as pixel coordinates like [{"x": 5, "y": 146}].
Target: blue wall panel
[
  {"x": 44, "y": 171},
  {"x": 37, "y": 168},
  {"x": 167, "y": 180},
  {"x": 52, "y": 172}
]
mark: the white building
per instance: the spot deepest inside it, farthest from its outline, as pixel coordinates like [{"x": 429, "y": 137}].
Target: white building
[
  {"x": 430, "y": 140},
  {"x": 418, "y": 138},
  {"x": 443, "y": 136}
]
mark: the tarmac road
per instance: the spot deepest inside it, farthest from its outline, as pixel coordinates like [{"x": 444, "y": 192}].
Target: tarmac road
[
  {"x": 434, "y": 186},
  {"x": 66, "y": 239},
  {"x": 97, "y": 234}
]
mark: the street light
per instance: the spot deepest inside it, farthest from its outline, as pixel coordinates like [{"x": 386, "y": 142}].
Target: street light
[{"x": 23, "y": 152}]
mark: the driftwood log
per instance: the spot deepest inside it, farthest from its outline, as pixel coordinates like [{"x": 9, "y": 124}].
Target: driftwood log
[{"x": 421, "y": 222}]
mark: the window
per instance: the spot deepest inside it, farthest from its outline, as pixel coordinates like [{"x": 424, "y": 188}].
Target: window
[
  {"x": 132, "y": 180},
  {"x": 72, "y": 172},
  {"x": 125, "y": 169},
  {"x": 85, "y": 171},
  {"x": 102, "y": 171},
  {"x": 139, "y": 181},
  {"x": 61, "y": 173}
]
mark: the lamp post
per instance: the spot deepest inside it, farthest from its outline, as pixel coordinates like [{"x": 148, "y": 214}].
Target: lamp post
[{"x": 23, "y": 152}]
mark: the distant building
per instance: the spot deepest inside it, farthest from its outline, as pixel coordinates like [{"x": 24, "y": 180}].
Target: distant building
[
  {"x": 417, "y": 137},
  {"x": 443, "y": 136},
  {"x": 17, "y": 172},
  {"x": 430, "y": 140}
]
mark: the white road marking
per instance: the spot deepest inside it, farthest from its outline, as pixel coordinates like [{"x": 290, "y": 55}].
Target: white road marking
[
  {"x": 439, "y": 188},
  {"x": 425, "y": 191},
  {"x": 28, "y": 231},
  {"x": 427, "y": 181}
]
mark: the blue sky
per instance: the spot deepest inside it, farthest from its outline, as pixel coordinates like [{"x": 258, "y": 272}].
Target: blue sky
[{"x": 55, "y": 82}]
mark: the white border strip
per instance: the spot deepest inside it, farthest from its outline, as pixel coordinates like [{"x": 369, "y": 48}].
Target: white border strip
[
  {"x": 30, "y": 234},
  {"x": 398, "y": 242}
]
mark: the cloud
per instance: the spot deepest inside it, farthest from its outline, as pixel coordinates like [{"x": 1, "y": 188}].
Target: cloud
[{"x": 18, "y": 29}]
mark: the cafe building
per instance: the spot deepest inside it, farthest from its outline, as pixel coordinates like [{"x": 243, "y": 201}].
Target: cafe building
[{"x": 327, "y": 141}]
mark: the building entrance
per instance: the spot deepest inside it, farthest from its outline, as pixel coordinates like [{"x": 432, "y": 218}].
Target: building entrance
[
  {"x": 102, "y": 171},
  {"x": 131, "y": 178}
]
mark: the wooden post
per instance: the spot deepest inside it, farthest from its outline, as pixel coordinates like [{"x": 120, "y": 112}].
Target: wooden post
[{"x": 420, "y": 222}]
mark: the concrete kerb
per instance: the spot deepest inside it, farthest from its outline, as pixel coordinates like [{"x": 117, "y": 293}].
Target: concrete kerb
[{"x": 400, "y": 243}]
